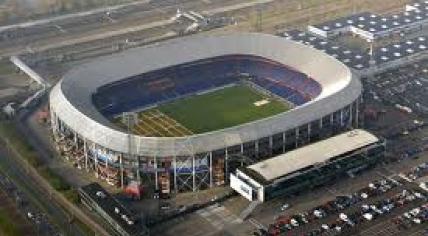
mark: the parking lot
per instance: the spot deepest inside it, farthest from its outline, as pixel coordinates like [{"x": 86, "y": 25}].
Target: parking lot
[
  {"x": 349, "y": 189},
  {"x": 404, "y": 88},
  {"x": 358, "y": 212}
]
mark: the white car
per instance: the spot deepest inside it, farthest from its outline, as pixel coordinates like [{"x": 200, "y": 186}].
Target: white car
[
  {"x": 338, "y": 228},
  {"x": 415, "y": 211},
  {"x": 407, "y": 215},
  {"x": 319, "y": 214},
  {"x": 294, "y": 222},
  {"x": 416, "y": 220},
  {"x": 368, "y": 216},
  {"x": 325, "y": 227},
  {"x": 285, "y": 207},
  {"x": 419, "y": 195},
  {"x": 343, "y": 217}
]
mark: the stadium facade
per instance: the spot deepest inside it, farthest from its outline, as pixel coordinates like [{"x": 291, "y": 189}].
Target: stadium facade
[{"x": 324, "y": 93}]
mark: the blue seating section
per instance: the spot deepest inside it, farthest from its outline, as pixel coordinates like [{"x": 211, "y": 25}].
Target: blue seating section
[{"x": 186, "y": 79}]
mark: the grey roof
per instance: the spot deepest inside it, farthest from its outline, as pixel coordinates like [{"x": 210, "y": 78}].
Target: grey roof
[
  {"x": 312, "y": 154},
  {"x": 352, "y": 58},
  {"x": 399, "y": 50},
  {"x": 370, "y": 25},
  {"x": 343, "y": 22},
  {"x": 71, "y": 100},
  {"x": 358, "y": 59}
]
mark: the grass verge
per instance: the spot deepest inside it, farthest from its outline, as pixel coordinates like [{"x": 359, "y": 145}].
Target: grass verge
[
  {"x": 9, "y": 133},
  {"x": 7, "y": 226}
]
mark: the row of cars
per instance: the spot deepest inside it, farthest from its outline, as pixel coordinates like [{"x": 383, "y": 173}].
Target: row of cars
[
  {"x": 415, "y": 216},
  {"x": 368, "y": 212},
  {"x": 36, "y": 217},
  {"x": 417, "y": 172},
  {"x": 291, "y": 223}
]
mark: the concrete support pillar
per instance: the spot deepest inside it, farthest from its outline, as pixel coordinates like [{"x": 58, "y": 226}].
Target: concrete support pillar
[
  {"x": 121, "y": 170},
  {"x": 54, "y": 124},
  {"x": 331, "y": 119},
  {"x": 242, "y": 148},
  {"x": 95, "y": 160},
  {"x": 106, "y": 163},
  {"x": 85, "y": 152},
  {"x": 270, "y": 145},
  {"x": 341, "y": 117},
  {"x": 309, "y": 132},
  {"x": 138, "y": 169},
  {"x": 194, "y": 173},
  {"x": 226, "y": 171},
  {"x": 175, "y": 173},
  {"x": 155, "y": 166},
  {"x": 350, "y": 115},
  {"x": 211, "y": 169},
  {"x": 75, "y": 139},
  {"x": 321, "y": 124}
]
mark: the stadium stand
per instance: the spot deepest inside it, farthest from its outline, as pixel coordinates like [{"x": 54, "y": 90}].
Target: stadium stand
[{"x": 183, "y": 80}]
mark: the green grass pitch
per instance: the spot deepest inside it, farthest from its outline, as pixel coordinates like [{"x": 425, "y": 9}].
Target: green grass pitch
[{"x": 221, "y": 109}]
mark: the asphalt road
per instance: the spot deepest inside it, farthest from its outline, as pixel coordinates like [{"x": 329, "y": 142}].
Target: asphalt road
[{"x": 69, "y": 30}]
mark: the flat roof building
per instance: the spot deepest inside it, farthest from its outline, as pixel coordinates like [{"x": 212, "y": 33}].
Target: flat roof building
[
  {"x": 308, "y": 166},
  {"x": 387, "y": 56},
  {"x": 122, "y": 221},
  {"x": 371, "y": 26}
]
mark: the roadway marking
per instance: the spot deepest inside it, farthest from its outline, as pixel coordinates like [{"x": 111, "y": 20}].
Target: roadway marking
[
  {"x": 62, "y": 30},
  {"x": 235, "y": 7},
  {"x": 257, "y": 224},
  {"x": 70, "y": 16},
  {"x": 401, "y": 175},
  {"x": 218, "y": 216},
  {"x": 114, "y": 33},
  {"x": 389, "y": 177}
]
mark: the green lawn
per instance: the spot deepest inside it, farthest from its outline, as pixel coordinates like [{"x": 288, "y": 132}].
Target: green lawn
[
  {"x": 7, "y": 225},
  {"x": 221, "y": 109}
]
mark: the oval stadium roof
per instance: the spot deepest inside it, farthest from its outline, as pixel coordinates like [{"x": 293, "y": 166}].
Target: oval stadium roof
[{"x": 71, "y": 98}]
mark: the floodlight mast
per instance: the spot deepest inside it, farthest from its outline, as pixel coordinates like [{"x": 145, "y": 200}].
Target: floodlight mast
[{"x": 130, "y": 118}]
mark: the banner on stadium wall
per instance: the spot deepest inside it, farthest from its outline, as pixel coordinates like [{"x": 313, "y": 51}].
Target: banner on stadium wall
[
  {"x": 186, "y": 166},
  {"x": 241, "y": 187},
  {"x": 104, "y": 155}
]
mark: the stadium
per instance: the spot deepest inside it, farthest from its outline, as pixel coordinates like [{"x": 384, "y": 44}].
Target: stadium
[{"x": 185, "y": 112}]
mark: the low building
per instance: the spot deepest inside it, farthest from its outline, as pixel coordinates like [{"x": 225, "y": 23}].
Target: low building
[
  {"x": 122, "y": 221},
  {"x": 371, "y": 26},
  {"x": 383, "y": 58},
  {"x": 309, "y": 166}
]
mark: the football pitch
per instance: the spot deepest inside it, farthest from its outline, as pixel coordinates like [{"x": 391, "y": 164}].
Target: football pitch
[{"x": 220, "y": 109}]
